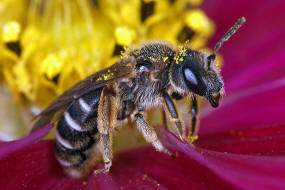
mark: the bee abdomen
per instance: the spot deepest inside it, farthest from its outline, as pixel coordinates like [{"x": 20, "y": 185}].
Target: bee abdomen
[
  {"x": 69, "y": 157},
  {"x": 76, "y": 130},
  {"x": 73, "y": 139}
]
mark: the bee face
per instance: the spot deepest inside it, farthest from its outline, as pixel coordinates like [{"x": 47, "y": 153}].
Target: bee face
[{"x": 193, "y": 75}]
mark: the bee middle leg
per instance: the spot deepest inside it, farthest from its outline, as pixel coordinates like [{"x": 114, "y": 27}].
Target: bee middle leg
[
  {"x": 174, "y": 116},
  {"x": 149, "y": 133},
  {"x": 192, "y": 136},
  {"x": 107, "y": 112}
]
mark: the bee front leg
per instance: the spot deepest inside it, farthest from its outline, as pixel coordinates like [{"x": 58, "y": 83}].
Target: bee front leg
[
  {"x": 149, "y": 133},
  {"x": 107, "y": 112},
  {"x": 194, "y": 120},
  {"x": 174, "y": 116}
]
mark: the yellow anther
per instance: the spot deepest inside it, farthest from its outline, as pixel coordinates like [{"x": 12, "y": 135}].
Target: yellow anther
[
  {"x": 124, "y": 35},
  {"x": 51, "y": 66},
  {"x": 11, "y": 31}
]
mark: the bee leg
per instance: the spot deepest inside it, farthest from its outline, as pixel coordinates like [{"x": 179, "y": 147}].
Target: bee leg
[
  {"x": 163, "y": 116},
  {"x": 192, "y": 136},
  {"x": 149, "y": 133},
  {"x": 106, "y": 149},
  {"x": 130, "y": 123},
  {"x": 106, "y": 121},
  {"x": 174, "y": 116}
]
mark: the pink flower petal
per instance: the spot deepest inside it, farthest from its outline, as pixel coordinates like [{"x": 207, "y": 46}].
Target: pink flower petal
[
  {"x": 269, "y": 67},
  {"x": 259, "y": 141},
  {"x": 248, "y": 172},
  {"x": 7, "y": 148},
  {"x": 173, "y": 173},
  {"x": 244, "y": 171},
  {"x": 253, "y": 45},
  {"x": 131, "y": 178},
  {"x": 35, "y": 167},
  {"x": 257, "y": 107}
]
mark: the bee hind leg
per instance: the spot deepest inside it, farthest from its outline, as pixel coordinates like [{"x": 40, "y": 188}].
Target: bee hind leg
[
  {"x": 106, "y": 150},
  {"x": 107, "y": 113}
]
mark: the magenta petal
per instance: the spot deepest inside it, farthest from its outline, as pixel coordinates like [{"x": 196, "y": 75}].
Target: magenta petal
[
  {"x": 253, "y": 45},
  {"x": 180, "y": 173},
  {"x": 248, "y": 172},
  {"x": 131, "y": 178},
  {"x": 259, "y": 141},
  {"x": 269, "y": 67},
  {"x": 7, "y": 148},
  {"x": 257, "y": 107},
  {"x": 35, "y": 167},
  {"x": 244, "y": 171}
]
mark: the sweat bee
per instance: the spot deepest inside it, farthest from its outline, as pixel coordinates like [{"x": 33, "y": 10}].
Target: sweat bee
[{"x": 149, "y": 76}]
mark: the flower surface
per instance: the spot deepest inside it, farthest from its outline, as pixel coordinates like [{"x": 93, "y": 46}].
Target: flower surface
[{"x": 241, "y": 144}]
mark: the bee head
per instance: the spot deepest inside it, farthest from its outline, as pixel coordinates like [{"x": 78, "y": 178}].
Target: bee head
[
  {"x": 192, "y": 74},
  {"x": 195, "y": 72}
]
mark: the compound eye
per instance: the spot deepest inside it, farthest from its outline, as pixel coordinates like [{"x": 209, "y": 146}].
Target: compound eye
[
  {"x": 143, "y": 68},
  {"x": 190, "y": 76}
]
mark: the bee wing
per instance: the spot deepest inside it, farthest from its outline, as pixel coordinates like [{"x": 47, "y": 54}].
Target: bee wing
[{"x": 118, "y": 71}]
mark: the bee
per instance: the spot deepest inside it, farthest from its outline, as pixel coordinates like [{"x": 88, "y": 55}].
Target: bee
[{"x": 145, "y": 77}]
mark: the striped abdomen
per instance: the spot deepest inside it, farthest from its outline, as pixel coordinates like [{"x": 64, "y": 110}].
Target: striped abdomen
[{"x": 76, "y": 130}]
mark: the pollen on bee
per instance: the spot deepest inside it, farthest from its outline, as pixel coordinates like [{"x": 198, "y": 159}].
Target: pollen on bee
[
  {"x": 125, "y": 53},
  {"x": 152, "y": 59},
  {"x": 181, "y": 53},
  {"x": 191, "y": 138},
  {"x": 105, "y": 76},
  {"x": 219, "y": 61}
]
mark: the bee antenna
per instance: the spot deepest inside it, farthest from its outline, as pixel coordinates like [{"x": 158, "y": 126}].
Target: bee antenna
[{"x": 230, "y": 32}]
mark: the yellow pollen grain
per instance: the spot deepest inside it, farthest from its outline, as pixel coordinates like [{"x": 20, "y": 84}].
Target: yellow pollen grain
[
  {"x": 84, "y": 183},
  {"x": 106, "y": 76},
  {"x": 191, "y": 139},
  {"x": 152, "y": 59},
  {"x": 181, "y": 53},
  {"x": 240, "y": 133},
  {"x": 144, "y": 177},
  {"x": 125, "y": 53},
  {"x": 219, "y": 61}
]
